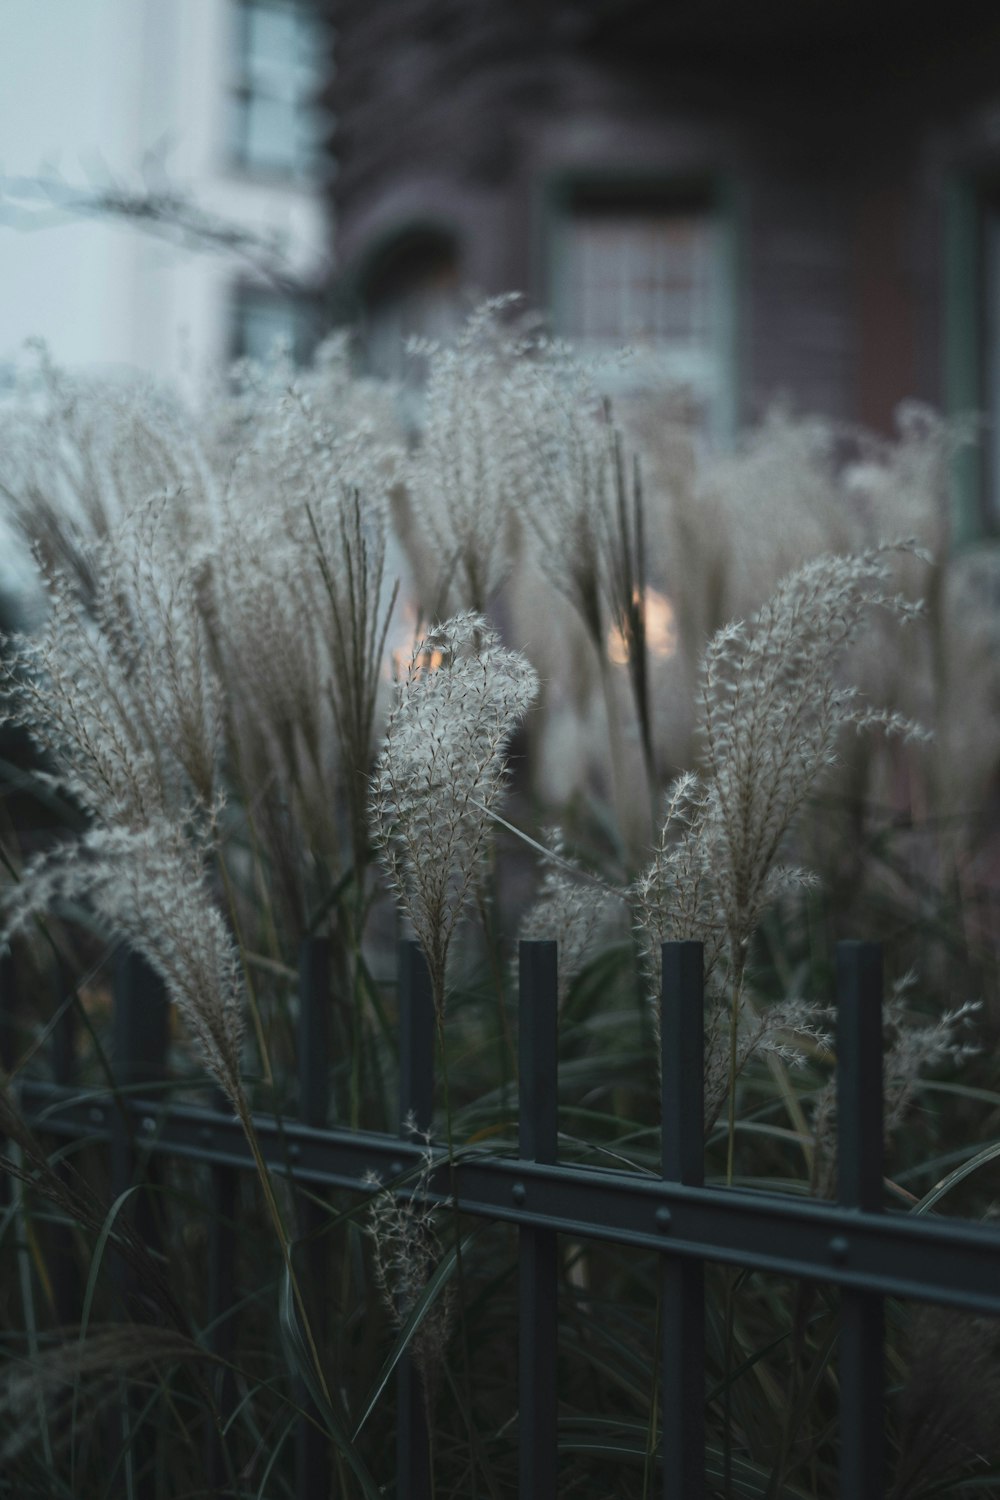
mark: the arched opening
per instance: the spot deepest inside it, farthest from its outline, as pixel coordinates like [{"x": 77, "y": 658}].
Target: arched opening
[{"x": 410, "y": 288}]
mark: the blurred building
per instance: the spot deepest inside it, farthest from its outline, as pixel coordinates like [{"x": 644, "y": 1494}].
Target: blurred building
[
  {"x": 774, "y": 200},
  {"x": 210, "y": 102}
]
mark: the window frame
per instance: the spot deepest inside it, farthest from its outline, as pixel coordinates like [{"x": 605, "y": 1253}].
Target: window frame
[
  {"x": 971, "y": 199},
  {"x": 243, "y": 88},
  {"x": 309, "y": 306},
  {"x": 714, "y": 193}
]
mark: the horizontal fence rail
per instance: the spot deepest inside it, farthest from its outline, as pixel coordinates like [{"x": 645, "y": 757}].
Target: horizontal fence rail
[
  {"x": 869, "y": 1252},
  {"x": 896, "y": 1254}
]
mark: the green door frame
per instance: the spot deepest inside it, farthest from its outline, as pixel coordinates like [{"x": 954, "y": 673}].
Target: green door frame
[{"x": 965, "y": 354}]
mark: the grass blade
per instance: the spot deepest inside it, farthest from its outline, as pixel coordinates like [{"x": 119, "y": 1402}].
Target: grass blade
[{"x": 441, "y": 1275}]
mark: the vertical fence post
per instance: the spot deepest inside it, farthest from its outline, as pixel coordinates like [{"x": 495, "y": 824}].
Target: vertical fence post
[
  {"x": 140, "y": 1050},
  {"x": 859, "y": 1186},
  {"x": 538, "y": 1006},
  {"x": 312, "y": 1450},
  {"x": 416, "y": 1109},
  {"x": 682, "y": 1282},
  {"x": 66, "y": 1278}
]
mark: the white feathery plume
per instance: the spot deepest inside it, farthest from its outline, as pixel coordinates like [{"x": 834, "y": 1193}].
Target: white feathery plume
[
  {"x": 147, "y": 885},
  {"x": 442, "y": 771},
  {"x": 567, "y": 911},
  {"x": 117, "y": 689},
  {"x": 771, "y": 710},
  {"x": 461, "y": 478}
]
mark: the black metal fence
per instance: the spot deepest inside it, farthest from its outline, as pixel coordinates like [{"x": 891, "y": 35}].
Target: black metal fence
[{"x": 853, "y": 1243}]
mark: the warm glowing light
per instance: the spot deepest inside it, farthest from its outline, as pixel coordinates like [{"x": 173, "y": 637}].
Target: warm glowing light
[
  {"x": 406, "y": 633},
  {"x": 661, "y": 628},
  {"x": 429, "y": 661}
]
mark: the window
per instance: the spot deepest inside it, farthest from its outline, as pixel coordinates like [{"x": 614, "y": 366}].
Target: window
[
  {"x": 263, "y": 321},
  {"x": 648, "y": 271},
  {"x": 282, "y": 57}
]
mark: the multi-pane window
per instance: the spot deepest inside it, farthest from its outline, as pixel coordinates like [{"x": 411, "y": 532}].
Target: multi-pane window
[
  {"x": 262, "y": 322},
  {"x": 648, "y": 274},
  {"x": 282, "y": 56}
]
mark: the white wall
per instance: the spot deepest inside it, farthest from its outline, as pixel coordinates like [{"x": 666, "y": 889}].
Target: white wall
[{"x": 92, "y": 88}]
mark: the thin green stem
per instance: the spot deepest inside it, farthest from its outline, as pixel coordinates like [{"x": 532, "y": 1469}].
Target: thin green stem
[
  {"x": 274, "y": 1212},
  {"x": 506, "y": 1054},
  {"x": 616, "y": 751},
  {"x": 728, "y": 1310},
  {"x": 431, "y": 1445},
  {"x": 727, "y": 1390},
  {"x": 258, "y": 1026},
  {"x": 648, "y": 1462},
  {"x": 734, "y": 1024}
]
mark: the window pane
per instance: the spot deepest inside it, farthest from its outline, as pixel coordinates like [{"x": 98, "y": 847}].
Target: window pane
[
  {"x": 262, "y": 329},
  {"x": 263, "y": 322},
  {"x": 273, "y": 135},
  {"x": 272, "y": 38},
  {"x": 639, "y": 276},
  {"x": 278, "y": 72}
]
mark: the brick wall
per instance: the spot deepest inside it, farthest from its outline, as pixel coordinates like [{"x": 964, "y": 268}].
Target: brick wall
[{"x": 834, "y": 133}]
